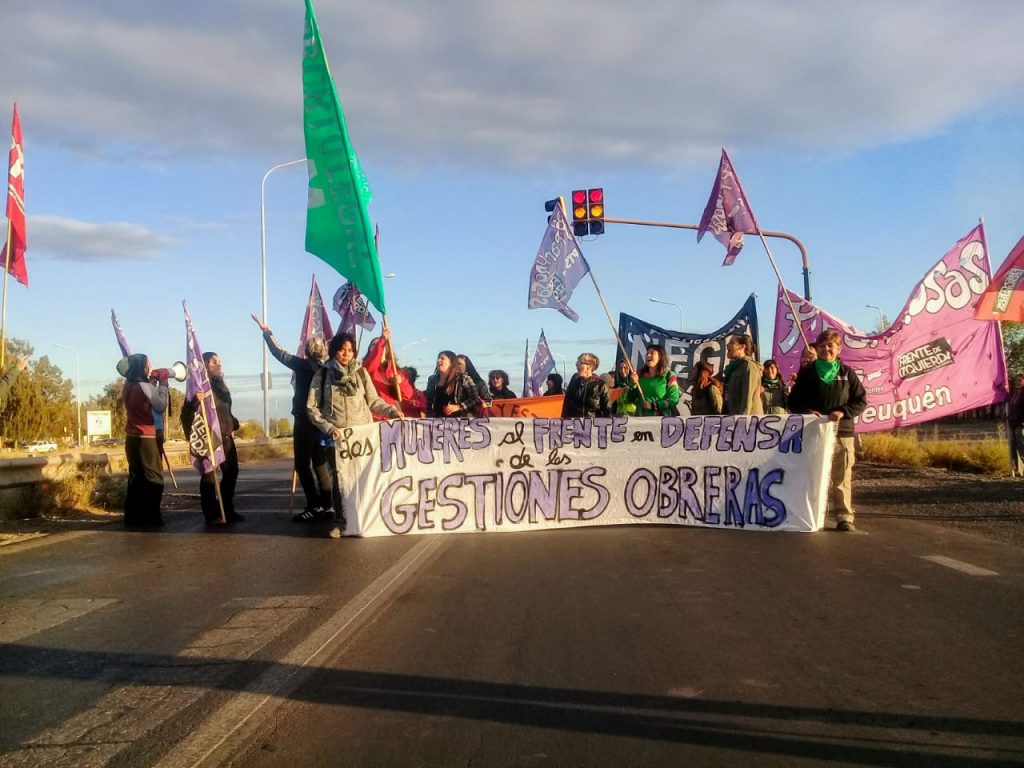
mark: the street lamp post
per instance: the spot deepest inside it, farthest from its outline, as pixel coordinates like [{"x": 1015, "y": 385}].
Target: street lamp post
[
  {"x": 78, "y": 389},
  {"x": 265, "y": 380},
  {"x": 672, "y": 304},
  {"x": 881, "y": 316}
]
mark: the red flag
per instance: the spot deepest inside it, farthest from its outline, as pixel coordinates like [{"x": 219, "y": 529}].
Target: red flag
[
  {"x": 728, "y": 214},
  {"x": 14, "y": 250},
  {"x": 316, "y": 322},
  {"x": 1004, "y": 297}
]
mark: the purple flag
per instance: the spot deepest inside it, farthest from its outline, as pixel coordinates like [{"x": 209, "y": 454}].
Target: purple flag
[
  {"x": 121, "y": 341},
  {"x": 558, "y": 268},
  {"x": 205, "y": 426},
  {"x": 543, "y": 364},
  {"x": 353, "y": 308},
  {"x": 526, "y": 370},
  {"x": 316, "y": 321},
  {"x": 728, "y": 214}
]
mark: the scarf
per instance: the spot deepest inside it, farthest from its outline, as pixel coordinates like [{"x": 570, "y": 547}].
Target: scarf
[
  {"x": 771, "y": 385},
  {"x": 827, "y": 371},
  {"x": 731, "y": 367},
  {"x": 345, "y": 378}
]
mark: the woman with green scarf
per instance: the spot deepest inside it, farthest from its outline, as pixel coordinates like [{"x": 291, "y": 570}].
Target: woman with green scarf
[
  {"x": 654, "y": 390},
  {"x": 773, "y": 389},
  {"x": 829, "y": 388}
]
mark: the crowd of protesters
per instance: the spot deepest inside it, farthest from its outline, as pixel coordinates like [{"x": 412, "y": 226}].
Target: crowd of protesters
[{"x": 335, "y": 391}]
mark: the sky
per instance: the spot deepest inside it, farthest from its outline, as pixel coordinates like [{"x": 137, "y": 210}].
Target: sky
[{"x": 876, "y": 133}]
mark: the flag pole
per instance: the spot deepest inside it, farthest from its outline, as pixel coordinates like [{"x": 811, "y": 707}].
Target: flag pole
[
  {"x": 999, "y": 323},
  {"x": 213, "y": 457},
  {"x": 3, "y": 319},
  {"x": 785, "y": 291}
]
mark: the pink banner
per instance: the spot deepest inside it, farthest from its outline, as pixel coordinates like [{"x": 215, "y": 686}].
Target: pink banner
[{"x": 935, "y": 360}]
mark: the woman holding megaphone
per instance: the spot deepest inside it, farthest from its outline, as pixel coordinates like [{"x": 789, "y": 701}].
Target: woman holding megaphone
[{"x": 145, "y": 399}]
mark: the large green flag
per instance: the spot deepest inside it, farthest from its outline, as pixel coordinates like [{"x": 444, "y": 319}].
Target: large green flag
[{"x": 338, "y": 228}]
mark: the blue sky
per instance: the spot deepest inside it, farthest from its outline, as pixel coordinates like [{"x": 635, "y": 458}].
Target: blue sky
[{"x": 877, "y": 134}]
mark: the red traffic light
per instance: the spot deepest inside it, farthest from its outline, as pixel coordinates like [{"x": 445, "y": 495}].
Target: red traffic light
[
  {"x": 595, "y": 195},
  {"x": 579, "y": 196}
]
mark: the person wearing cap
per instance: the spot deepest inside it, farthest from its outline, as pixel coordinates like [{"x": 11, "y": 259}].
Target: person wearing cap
[
  {"x": 587, "y": 395},
  {"x": 143, "y": 400}
]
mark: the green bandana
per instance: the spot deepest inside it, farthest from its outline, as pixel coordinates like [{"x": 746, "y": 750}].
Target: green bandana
[
  {"x": 827, "y": 371},
  {"x": 730, "y": 368}
]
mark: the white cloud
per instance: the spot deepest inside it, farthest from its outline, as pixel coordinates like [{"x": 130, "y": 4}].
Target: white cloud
[
  {"x": 64, "y": 239},
  {"x": 654, "y": 83}
]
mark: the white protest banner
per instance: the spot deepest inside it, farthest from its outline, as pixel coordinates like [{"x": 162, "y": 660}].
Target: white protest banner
[{"x": 476, "y": 474}]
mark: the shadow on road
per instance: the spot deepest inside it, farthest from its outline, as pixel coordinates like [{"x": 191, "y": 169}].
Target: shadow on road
[{"x": 865, "y": 737}]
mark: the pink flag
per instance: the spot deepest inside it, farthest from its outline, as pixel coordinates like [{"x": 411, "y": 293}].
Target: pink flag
[
  {"x": 727, "y": 215},
  {"x": 316, "y": 322},
  {"x": 14, "y": 250},
  {"x": 935, "y": 360},
  {"x": 205, "y": 433},
  {"x": 1004, "y": 299}
]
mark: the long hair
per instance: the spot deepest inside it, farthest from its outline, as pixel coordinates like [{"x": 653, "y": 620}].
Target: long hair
[
  {"x": 338, "y": 342},
  {"x": 744, "y": 340},
  {"x": 447, "y": 380},
  {"x": 662, "y": 362},
  {"x": 474, "y": 374},
  {"x": 703, "y": 377}
]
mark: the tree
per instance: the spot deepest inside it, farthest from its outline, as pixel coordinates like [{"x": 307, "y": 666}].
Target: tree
[
  {"x": 281, "y": 426},
  {"x": 249, "y": 429},
  {"x": 40, "y": 403},
  {"x": 1013, "y": 345}
]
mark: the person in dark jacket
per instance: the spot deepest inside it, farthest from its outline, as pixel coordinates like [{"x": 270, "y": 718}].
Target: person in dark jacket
[
  {"x": 309, "y": 457},
  {"x": 449, "y": 392},
  {"x": 499, "y": 386},
  {"x": 706, "y": 392},
  {"x": 553, "y": 385},
  {"x": 143, "y": 400},
  {"x": 229, "y": 467},
  {"x": 465, "y": 365},
  {"x": 587, "y": 395},
  {"x": 831, "y": 389},
  {"x": 1015, "y": 425}
]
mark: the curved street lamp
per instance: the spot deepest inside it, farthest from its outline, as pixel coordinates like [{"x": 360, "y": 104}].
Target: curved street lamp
[
  {"x": 265, "y": 380},
  {"x": 672, "y": 304}
]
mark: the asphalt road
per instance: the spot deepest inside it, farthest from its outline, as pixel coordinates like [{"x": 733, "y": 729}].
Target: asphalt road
[{"x": 271, "y": 645}]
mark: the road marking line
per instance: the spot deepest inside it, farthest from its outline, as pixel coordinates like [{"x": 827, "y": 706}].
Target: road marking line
[
  {"x": 94, "y": 737},
  {"x": 237, "y": 719},
  {"x": 959, "y": 565},
  {"x": 24, "y": 617}
]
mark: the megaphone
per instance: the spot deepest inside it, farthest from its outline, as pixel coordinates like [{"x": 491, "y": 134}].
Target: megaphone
[{"x": 178, "y": 372}]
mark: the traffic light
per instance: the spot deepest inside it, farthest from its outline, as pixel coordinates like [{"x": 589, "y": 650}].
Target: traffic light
[
  {"x": 588, "y": 211},
  {"x": 549, "y": 206},
  {"x": 595, "y": 210}
]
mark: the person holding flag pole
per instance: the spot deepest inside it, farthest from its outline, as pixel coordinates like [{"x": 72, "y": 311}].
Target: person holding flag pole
[{"x": 201, "y": 418}]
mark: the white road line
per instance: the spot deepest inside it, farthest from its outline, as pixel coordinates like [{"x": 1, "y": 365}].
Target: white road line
[
  {"x": 233, "y": 725},
  {"x": 959, "y": 565},
  {"x": 27, "y": 616}
]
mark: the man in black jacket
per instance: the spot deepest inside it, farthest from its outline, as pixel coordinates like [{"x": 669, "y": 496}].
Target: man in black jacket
[
  {"x": 306, "y": 447},
  {"x": 827, "y": 387},
  {"x": 229, "y": 467}
]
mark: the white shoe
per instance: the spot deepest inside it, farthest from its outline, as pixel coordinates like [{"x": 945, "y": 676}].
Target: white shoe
[{"x": 335, "y": 533}]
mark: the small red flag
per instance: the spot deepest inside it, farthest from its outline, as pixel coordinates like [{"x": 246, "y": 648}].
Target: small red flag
[
  {"x": 14, "y": 250},
  {"x": 1004, "y": 297}
]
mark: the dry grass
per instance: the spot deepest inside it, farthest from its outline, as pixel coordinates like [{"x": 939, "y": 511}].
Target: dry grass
[{"x": 988, "y": 457}]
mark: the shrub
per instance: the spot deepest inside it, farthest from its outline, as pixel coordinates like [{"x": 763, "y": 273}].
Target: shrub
[
  {"x": 987, "y": 456},
  {"x": 900, "y": 450}
]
